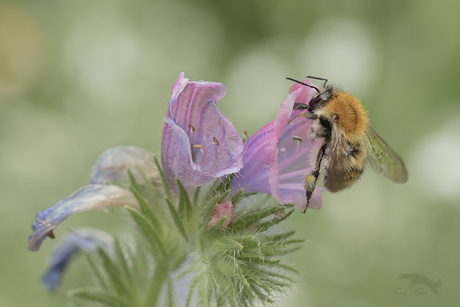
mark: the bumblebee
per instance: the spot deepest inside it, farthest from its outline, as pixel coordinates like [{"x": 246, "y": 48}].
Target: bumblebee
[{"x": 349, "y": 141}]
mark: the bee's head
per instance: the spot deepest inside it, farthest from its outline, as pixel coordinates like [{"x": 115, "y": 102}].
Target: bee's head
[{"x": 320, "y": 99}]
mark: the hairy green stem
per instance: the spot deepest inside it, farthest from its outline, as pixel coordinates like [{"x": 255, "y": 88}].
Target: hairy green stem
[{"x": 159, "y": 276}]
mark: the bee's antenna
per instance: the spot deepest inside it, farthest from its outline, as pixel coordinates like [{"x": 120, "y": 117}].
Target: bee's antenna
[
  {"x": 297, "y": 81},
  {"x": 316, "y": 78}
]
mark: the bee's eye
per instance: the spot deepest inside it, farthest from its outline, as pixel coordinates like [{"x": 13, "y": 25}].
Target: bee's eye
[{"x": 320, "y": 99}]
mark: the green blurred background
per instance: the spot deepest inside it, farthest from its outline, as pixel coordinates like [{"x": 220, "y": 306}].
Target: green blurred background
[{"x": 79, "y": 77}]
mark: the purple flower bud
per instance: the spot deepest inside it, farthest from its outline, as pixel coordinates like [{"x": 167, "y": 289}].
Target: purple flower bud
[{"x": 220, "y": 210}]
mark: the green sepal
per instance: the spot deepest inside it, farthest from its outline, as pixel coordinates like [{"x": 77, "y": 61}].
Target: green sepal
[
  {"x": 133, "y": 182},
  {"x": 176, "y": 218},
  {"x": 192, "y": 289},
  {"x": 121, "y": 262},
  {"x": 147, "y": 211},
  {"x": 281, "y": 251},
  {"x": 236, "y": 197},
  {"x": 226, "y": 244},
  {"x": 196, "y": 196},
  {"x": 280, "y": 237},
  {"x": 266, "y": 225},
  {"x": 223, "y": 196},
  {"x": 96, "y": 272},
  {"x": 225, "y": 184},
  {"x": 185, "y": 207},
  {"x": 217, "y": 226},
  {"x": 99, "y": 296},
  {"x": 208, "y": 210},
  {"x": 113, "y": 273},
  {"x": 148, "y": 231},
  {"x": 163, "y": 179},
  {"x": 249, "y": 218}
]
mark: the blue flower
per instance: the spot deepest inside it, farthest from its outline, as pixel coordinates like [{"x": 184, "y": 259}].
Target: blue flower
[
  {"x": 112, "y": 166},
  {"x": 85, "y": 239}
]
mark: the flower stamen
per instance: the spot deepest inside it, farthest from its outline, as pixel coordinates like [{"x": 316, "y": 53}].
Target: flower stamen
[
  {"x": 216, "y": 141},
  {"x": 198, "y": 146},
  {"x": 297, "y": 139},
  {"x": 285, "y": 163},
  {"x": 205, "y": 152},
  {"x": 218, "y": 120},
  {"x": 191, "y": 127},
  {"x": 50, "y": 234}
]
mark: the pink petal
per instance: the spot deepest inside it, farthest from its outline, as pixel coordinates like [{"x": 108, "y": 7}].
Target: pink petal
[{"x": 275, "y": 163}]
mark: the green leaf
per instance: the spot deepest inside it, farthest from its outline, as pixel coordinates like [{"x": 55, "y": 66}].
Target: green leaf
[
  {"x": 284, "y": 251},
  {"x": 148, "y": 231},
  {"x": 266, "y": 225},
  {"x": 163, "y": 179},
  {"x": 184, "y": 202},
  {"x": 176, "y": 218},
  {"x": 203, "y": 292},
  {"x": 289, "y": 268},
  {"x": 225, "y": 184},
  {"x": 255, "y": 216},
  {"x": 226, "y": 244},
  {"x": 208, "y": 210},
  {"x": 261, "y": 295},
  {"x": 133, "y": 182},
  {"x": 99, "y": 296},
  {"x": 147, "y": 212},
  {"x": 121, "y": 260},
  {"x": 156, "y": 283},
  {"x": 279, "y": 237},
  {"x": 95, "y": 271},
  {"x": 192, "y": 289},
  {"x": 258, "y": 259},
  {"x": 202, "y": 251},
  {"x": 236, "y": 197},
  {"x": 213, "y": 277},
  {"x": 147, "y": 182},
  {"x": 240, "y": 276},
  {"x": 113, "y": 273},
  {"x": 222, "y": 198},
  {"x": 195, "y": 197},
  {"x": 217, "y": 226}
]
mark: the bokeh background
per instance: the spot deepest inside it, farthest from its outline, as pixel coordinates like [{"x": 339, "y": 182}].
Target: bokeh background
[{"x": 79, "y": 77}]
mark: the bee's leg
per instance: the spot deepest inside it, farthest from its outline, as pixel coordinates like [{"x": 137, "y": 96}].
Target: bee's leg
[
  {"x": 300, "y": 106},
  {"x": 310, "y": 180},
  {"x": 306, "y": 115}
]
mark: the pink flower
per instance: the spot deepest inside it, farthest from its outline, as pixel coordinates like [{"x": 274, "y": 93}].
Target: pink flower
[
  {"x": 198, "y": 143},
  {"x": 280, "y": 155}
]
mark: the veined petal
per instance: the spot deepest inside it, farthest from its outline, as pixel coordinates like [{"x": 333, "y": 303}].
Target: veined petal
[
  {"x": 85, "y": 239},
  {"x": 113, "y": 164},
  {"x": 279, "y": 155},
  {"x": 87, "y": 198},
  {"x": 198, "y": 142}
]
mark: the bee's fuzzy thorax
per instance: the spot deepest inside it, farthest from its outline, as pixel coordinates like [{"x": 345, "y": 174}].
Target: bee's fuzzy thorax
[{"x": 350, "y": 113}]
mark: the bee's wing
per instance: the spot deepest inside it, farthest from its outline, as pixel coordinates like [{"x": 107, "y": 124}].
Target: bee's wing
[
  {"x": 383, "y": 159},
  {"x": 337, "y": 172}
]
